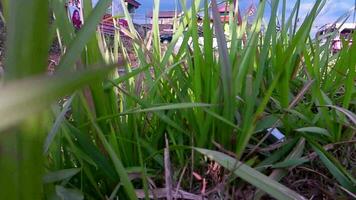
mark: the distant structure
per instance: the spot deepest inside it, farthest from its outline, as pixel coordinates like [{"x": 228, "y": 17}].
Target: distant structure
[
  {"x": 115, "y": 7},
  {"x": 132, "y": 5},
  {"x": 107, "y": 24},
  {"x": 336, "y": 32},
  {"x": 164, "y": 17},
  {"x": 165, "y": 21},
  {"x": 75, "y": 14},
  {"x": 224, "y": 11}
]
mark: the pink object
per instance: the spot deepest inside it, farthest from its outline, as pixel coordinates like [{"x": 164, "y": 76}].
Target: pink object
[
  {"x": 77, "y": 23},
  {"x": 336, "y": 46},
  {"x": 123, "y": 23},
  {"x": 197, "y": 176},
  {"x": 223, "y": 8}
]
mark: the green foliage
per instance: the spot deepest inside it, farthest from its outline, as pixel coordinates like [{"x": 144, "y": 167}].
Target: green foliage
[
  {"x": 107, "y": 139},
  {"x": 252, "y": 176}
]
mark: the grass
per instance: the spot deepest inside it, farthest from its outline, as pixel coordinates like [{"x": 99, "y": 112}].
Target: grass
[{"x": 108, "y": 139}]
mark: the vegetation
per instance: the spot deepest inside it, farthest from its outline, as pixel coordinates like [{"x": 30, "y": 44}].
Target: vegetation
[{"x": 90, "y": 132}]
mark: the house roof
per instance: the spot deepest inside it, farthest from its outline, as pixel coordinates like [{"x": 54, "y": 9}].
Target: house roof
[
  {"x": 343, "y": 26},
  {"x": 163, "y": 14},
  {"x": 339, "y": 26},
  {"x": 133, "y": 2}
]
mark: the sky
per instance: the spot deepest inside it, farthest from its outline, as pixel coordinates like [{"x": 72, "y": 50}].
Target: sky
[{"x": 333, "y": 9}]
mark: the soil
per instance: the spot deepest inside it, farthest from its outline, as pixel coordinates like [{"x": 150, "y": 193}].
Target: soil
[{"x": 314, "y": 181}]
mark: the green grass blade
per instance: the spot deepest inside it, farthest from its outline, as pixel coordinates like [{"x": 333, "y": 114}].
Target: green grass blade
[
  {"x": 20, "y": 99},
  {"x": 119, "y": 167},
  {"x": 316, "y": 130},
  {"x": 60, "y": 175},
  {"x": 333, "y": 165},
  {"x": 77, "y": 45},
  {"x": 252, "y": 176},
  {"x": 56, "y": 126}
]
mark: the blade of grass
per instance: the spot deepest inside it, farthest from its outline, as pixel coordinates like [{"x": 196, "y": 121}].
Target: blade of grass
[
  {"x": 83, "y": 36},
  {"x": 225, "y": 70},
  {"x": 252, "y": 176},
  {"x": 119, "y": 167},
  {"x": 56, "y": 126},
  {"x": 333, "y": 165},
  {"x": 20, "y": 99}
]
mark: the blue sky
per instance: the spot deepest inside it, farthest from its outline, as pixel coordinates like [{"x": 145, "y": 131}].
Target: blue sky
[{"x": 332, "y": 10}]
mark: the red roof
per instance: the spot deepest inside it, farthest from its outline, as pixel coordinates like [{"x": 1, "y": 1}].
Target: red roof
[{"x": 134, "y": 3}]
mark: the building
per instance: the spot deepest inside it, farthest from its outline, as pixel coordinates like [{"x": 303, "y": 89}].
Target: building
[
  {"x": 115, "y": 10},
  {"x": 132, "y": 5},
  {"x": 164, "y": 17},
  {"x": 336, "y": 32},
  {"x": 224, "y": 11},
  {"x": 115, "y": 7},
  {"x": 165, "y": 22}
]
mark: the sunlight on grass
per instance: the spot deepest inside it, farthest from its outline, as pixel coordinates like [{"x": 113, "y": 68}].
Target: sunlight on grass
[{"x": 96, "y": 129}]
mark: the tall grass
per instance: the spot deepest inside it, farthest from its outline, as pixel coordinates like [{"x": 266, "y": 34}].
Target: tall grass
[{"x": 107, "y": 139}]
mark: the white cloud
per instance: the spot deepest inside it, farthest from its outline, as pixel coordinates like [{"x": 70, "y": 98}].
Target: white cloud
[{"x": 332, "y": 10}]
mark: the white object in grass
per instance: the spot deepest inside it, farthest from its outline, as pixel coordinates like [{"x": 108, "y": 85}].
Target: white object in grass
[{"x": 277, "y": 134}]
